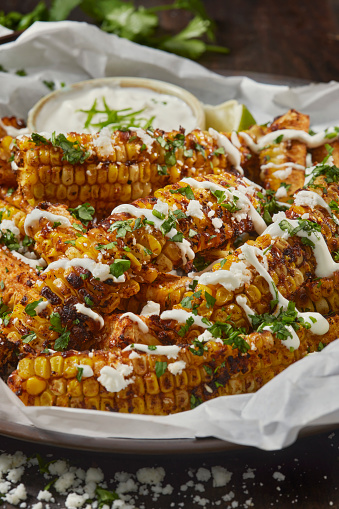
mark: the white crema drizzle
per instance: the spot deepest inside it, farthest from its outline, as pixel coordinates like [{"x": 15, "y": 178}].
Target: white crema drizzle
[
  {"x": 32, "y": 219},
  {"x": 289, "y": 134},
  {"x": 187, "y": 252},
  {"x": 318, "y": 326},
  {"x": 243, "y": 202},
  {"x": 233, "y": 154}
]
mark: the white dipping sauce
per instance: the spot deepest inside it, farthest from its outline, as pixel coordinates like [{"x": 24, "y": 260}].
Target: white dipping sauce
[{"x": 62, "y": 115}]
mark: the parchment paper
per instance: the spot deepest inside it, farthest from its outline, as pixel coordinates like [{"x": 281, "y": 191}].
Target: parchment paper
[{"x": 306, "y": 393}]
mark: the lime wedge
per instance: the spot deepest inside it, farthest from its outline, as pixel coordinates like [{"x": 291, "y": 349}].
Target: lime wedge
[{"x": 228, "y": 116}]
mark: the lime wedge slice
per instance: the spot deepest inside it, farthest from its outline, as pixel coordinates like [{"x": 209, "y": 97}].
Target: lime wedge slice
[{"x": 228, "y": 116}]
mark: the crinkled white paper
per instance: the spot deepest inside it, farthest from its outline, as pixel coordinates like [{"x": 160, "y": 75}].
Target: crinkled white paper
[{"x": 306, "y": 393}]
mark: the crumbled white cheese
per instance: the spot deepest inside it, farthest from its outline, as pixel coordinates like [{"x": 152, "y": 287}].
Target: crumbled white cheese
[
  {"x": 278, "y": 476},
  {"x": 194, "y": 209},
  {"x": 177, "y": 367},
  {"x": 151, "y": 475},
  {"x": 113, "y": 379},
  {"x": 145, "y": 138},
  {"x": 221, "y": 476},
  {"x": 151, "y": 308},
  {"x": 217, "y": 223},
  {"x": 87, "y": 371},
  {"x": 45, "y": 495},
  {"x": 94, "y": 475},
  {"x": 16, "y": 495},
  {"x": 15, "y": 474},
  {"x": 203, "y": 474},
  {"x": 103, "y": 142},
  {"x": 73, "y": 500},
  {"x": 64, "y": 482},
  {"x": 41, "y": 306},
  {"x": 8, "y": 224},
  {"x": 281, "y": 192}
]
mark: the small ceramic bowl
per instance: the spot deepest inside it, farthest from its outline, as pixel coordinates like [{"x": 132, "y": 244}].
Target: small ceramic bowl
[{"x": 41, "y": 114}]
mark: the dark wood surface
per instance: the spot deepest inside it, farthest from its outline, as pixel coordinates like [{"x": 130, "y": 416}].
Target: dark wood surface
[{"x": 285, "y": 38}]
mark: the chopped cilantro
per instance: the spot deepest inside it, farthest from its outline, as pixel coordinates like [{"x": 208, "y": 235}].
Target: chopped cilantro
[
  {"x": 73, "y": 152},
  {"x": 30, "y": 308},
  {"x": 84, "y": 213},
  {"x": 231, "y": 205},
  {"x": 38, "y": 139},
  {"x": 162, "y": 170},
  {"x": 9, "y": 240},
  {"x": 152, "y": 347},
  {"x": 2, "y": 285},
  {"x": 119, "y": 267},
  {"x": 62, "y": 341},
  {"x": 268, "y": 205},
  {"x": 79, "y": 373},
  {"x": 122, "y": 227},
  {"x": 105, "y": 497},
  {"x": 199, "y": 347},
  {"x": 210, "y": 300},
  {"x": 230, "y": 335},
  {"x": 185, "y": 191},
  {"x": 185, "y": 328},
  {"x": 49, "y": 84},
  {"x": 160, "y": 368},
  {"x": 27, "y": 338},
  {"x": 178, "y": 237},
  {"x": 111, "y": 245},
  {"x": 195, "y": 401},
  {"x": 279, "y": 139},
  {"x": 219, "y": 151},
  {"x": 79, "y": 227},
  {"x": 88, "y": 301}
]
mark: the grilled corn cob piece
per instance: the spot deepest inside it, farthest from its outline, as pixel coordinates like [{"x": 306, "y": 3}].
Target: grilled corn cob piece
[
  {"x": 112, "y": 169},
  {"x": 290, "y": 262},
  {"x": 280, "y": 162},
  {"x": 148, "y": 246},
  {"x": 156, "y": 384},
  {"x": 7, "y": 175},
  {"x": 167, "y": 290}
]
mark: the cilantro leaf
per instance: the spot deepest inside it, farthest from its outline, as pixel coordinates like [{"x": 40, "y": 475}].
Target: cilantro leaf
[
  {"x": 73, "y": 152},
  {"x": 30, "y": 308},
  {"x": 105, "y": 497},
  {"x": 84, "y": 213},
  {"x": 160, "y": 368},
  {"x": 185, "y": 191},
  {"x": 119, "y": 267}
]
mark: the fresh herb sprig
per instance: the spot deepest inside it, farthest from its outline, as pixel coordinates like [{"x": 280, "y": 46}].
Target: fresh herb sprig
[{"x": 138, "y": 24}]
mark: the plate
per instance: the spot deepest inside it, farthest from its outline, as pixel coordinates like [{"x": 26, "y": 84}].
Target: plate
[
  {"x": 57, "y": 54},
  {"x": 130, "y": 446}
]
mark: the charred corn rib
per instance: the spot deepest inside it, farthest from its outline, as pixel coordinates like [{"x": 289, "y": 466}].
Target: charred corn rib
[
  {"x": 167, "y": 290},
  {"x": 156, "y": 384},
  {"x": 260, "y": 270},
  {"x": 7, "y": 175},
  {"x": 280, "y": 161},
  {"x": 157, "y": 234},
  {"x": 106, "y": 170}
]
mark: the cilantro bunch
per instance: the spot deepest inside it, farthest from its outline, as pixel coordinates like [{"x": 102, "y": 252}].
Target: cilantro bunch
[{"x": 125, "y": 19}]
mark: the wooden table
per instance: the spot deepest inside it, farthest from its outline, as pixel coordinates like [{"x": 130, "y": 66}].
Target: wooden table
[{"x": 269, "y": 40}]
